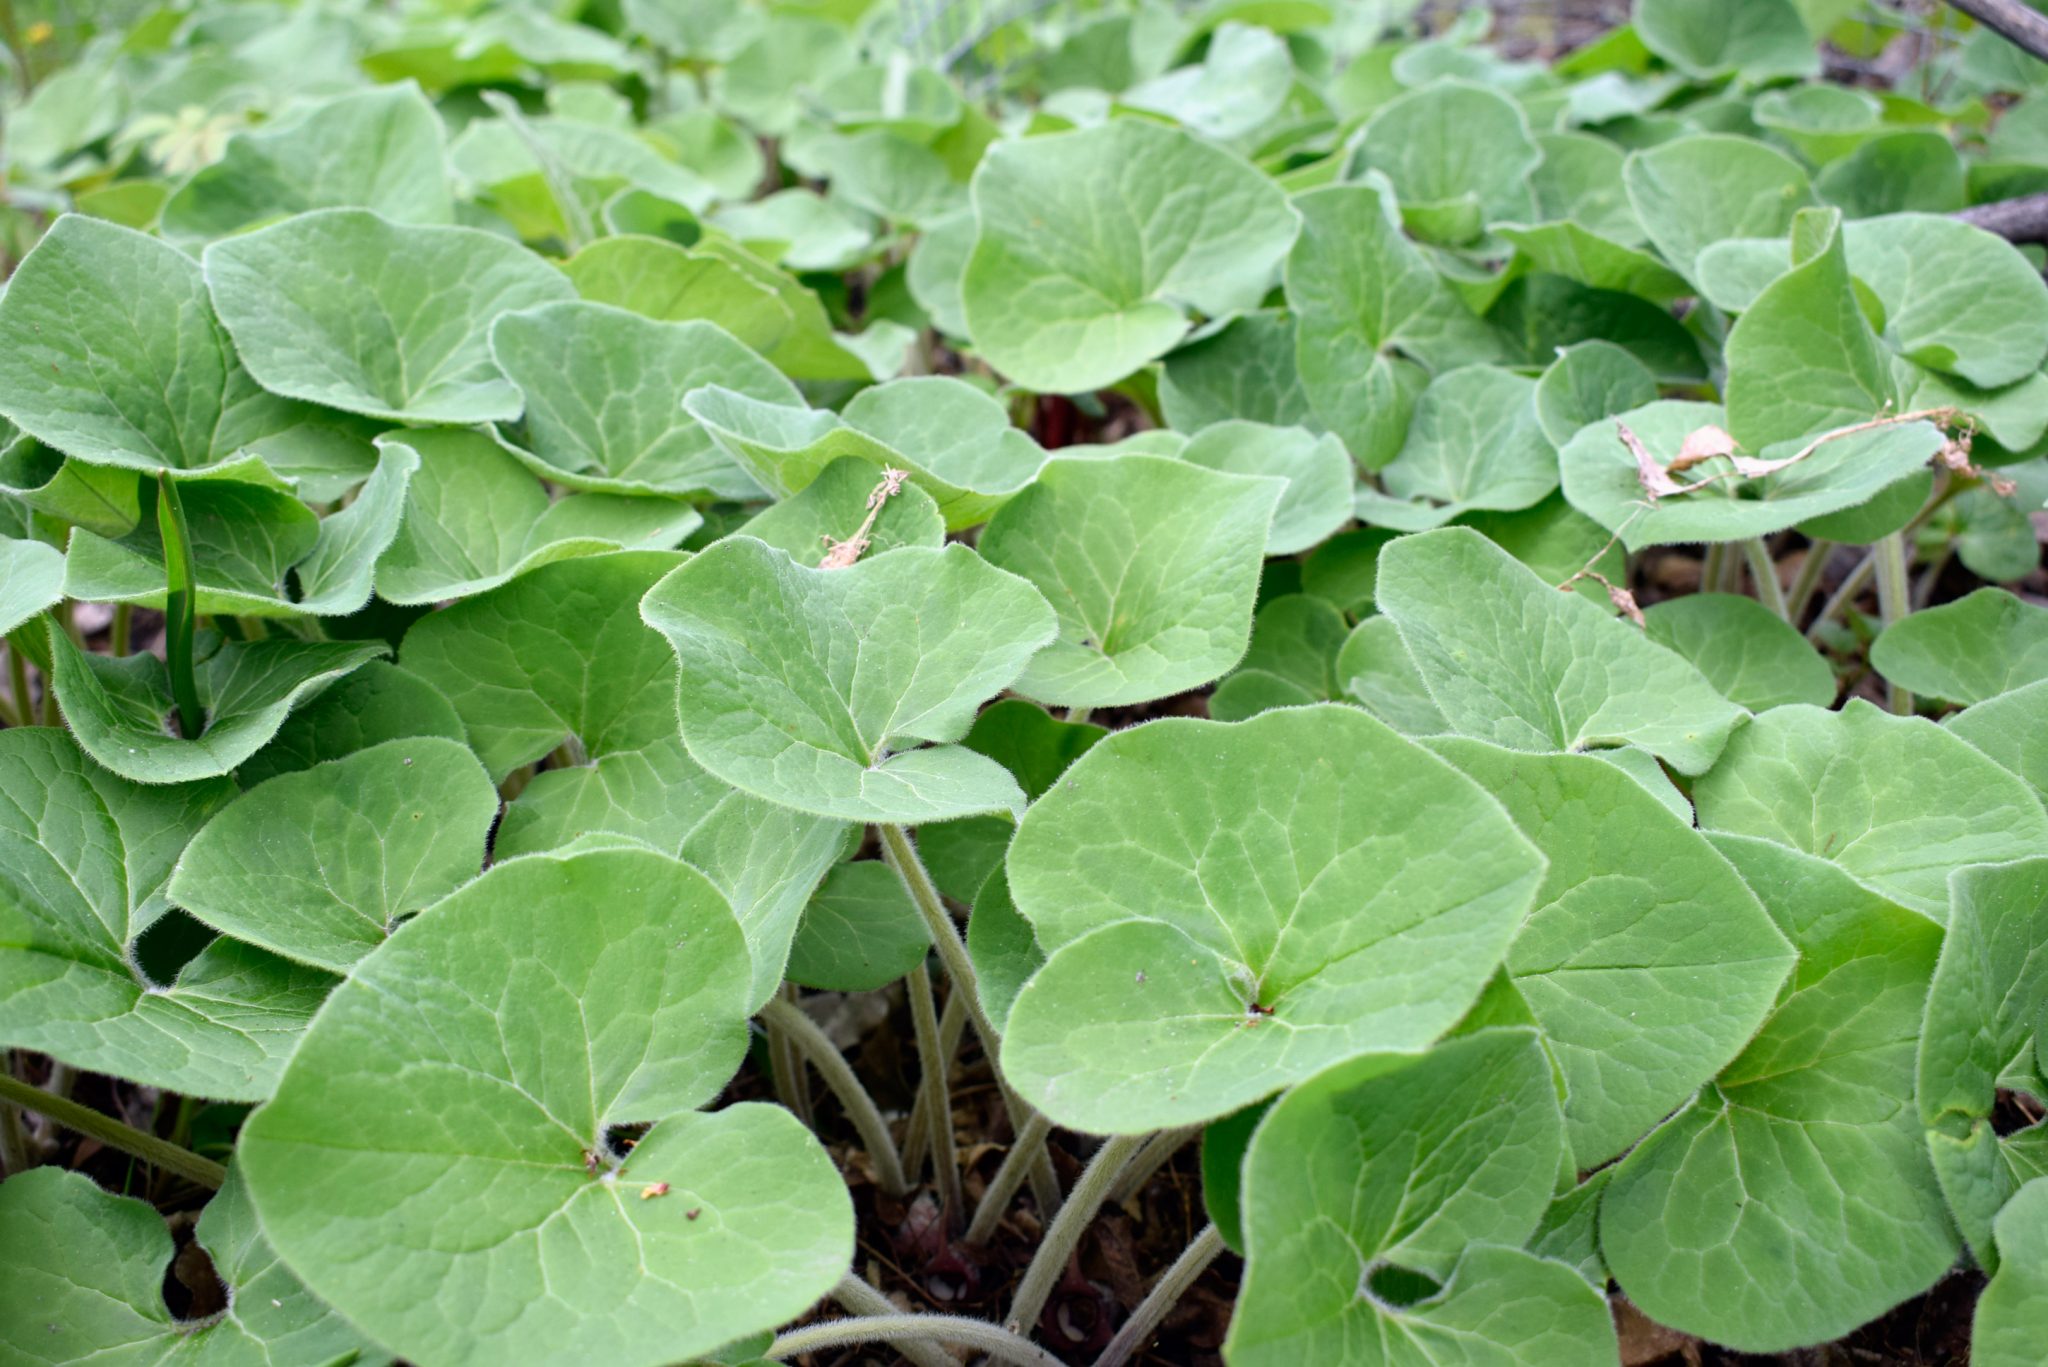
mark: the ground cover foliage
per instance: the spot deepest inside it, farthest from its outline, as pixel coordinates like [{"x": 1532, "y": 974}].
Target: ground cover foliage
[{"x": 696, "y": 681}]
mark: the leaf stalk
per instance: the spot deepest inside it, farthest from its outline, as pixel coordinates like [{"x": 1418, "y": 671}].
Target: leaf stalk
[{"x": 158, "y": 1153}]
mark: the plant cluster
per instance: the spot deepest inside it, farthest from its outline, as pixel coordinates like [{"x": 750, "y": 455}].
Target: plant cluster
[{"x": 1426, "y": 614}]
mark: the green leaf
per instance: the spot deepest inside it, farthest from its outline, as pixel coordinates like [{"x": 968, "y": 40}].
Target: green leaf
[
  {"x": 321, "y": 865},
  {"x": 1983, "y": 1008},
  {"x": 82, "y": 1273},
  {"x": 1819, "y": 122},
  {"x": 801, "y": 230},
  {"x": 1511, "y": 660},
  {"x": 1318, "y": 497},
  {"x": 860, "y": 931},
  {"x": 1474, "y": 444},
  {"x": 1973, "y": 649},
  {"x": 1803, "y": 358},
  {"x": 1692, "y": 192},
  {"x": 1453, "y": 143},
  {"x": 476, "y": 518},
  {"x": 1389, "y": 1173},
  {"x": 1956, "y": 299},
  {"x": 117, "y": 706},
  {"x": 956, "y": 441},
  {"x": 31, "y": 579},
  {"x": 1092, "y": 245},
  {"x": 418, "y": 1085},
  {"x": 601, "y": 406},
  {"x": 1224, "y": 1145},
  {"x": 835, "y": 503},
  {"x": 1758, "y": 40},
  {"x": 377, "y": 702},
  {"x": 109, "y": 351},
  {"x": 1376, "y": 671},
  {"x": 1792, "y": 1201},
  {"x": 561, "y": 656},
  {"x": 86, "y": 854},
  {"x": 378, "y": 149},
  {"x": 1296, "y": 640},
  {"x": 1002, "y": 945},
  {"x": 1646, "y": 961},
  {"x": 348, "y": 309},
  {"x": 1152, "y": 565},
  {"x": 2012, "y": 730},
  {"x": 1241, "y": 82},
  {"x": 1585, "y": 257},
  {"x": 2012, "y": 1313},
  {"x": 1905, "y": 169},
  {"x": 1745, "y": 650},
  {"x": 812, "y": 688},
  {"x": 1308, "y": 862},
  {"x": 1602, "y": 480},
  {"x": 1588, "y": 382},
  {"x": 1897, "y": 802},
  {"x": 1244, "y": 369}
]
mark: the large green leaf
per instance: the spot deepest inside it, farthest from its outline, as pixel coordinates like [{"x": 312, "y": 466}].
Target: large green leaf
[
  {"x": 1376, "y": 671},
  {"x": 1240, "y": 83},
  {"x": 1152, "y": 565},
  {"x": 1231, "y": 907},
  {"x": 829, "y": 509},
  {"x": 321, "y": 865},
  {"x": 1973, "y": 649},
  {"x": 2012, "y": 1314},
  {"x": 1898, "y": 802},
  {"x": 1695, "y": 191},
  {"x": 31, "y": 579},
  {"x": 1757, "y": 40},
  {"x": 1392, "y": 1173},
  {"x": 117, "y": 706},
  {"x": 1646, "y": 962},
  {"x": 109, "y": 351},
  {"x": 1296, "y": 640},
  {"x": 377, "y": 149},
  {"x": 1793, "y": 1200},
  {"x": 1091, "y": 247},
  {"x": 1588, "y": 382},
  {"x": 346, "y": 308},
  {"x": 436, "y": 1163},
  {"x": 82, "y": 1273},
  {"x": 475, "y": 518},
  {"x": 1474, "y": 444},
  {"x": 860, "y": 931},
  {"x": 955, "y": 441},
  {"x": 1454, "y": 152},
  {"x": 2012, "y": 729},
  {"x": 1509, "y": 659},
  {"x": 1745, "y": 650},
  {"x": 1956, "y": 299},
  {"x": 1603, "y": 478},
  {"x": 601, "y": 393},
  {"x": 1318, "y": 473},
  {"x": 1987, "y": 1001},
  {"x": 86, "y": 857},
  {"x": 813, "y": 688},
  {"x": 561, "y": 656},
  {"x": 1245, "y": 369}
]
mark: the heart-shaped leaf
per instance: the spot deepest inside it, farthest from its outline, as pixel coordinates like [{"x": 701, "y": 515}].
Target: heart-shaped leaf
[
  {"x": 1228, "y": 909},
  {"x": 860, "y": 931},
  {"x": 1244, "y": 369},
  {"x": 486, "y": 1050},
  {"x": 377, "y": 702},
  {"x": 1240, "y": 83},
  {"x": 1376, "y": 671},
  {"x": 1509, "y": 659},
  {"x": 1368, "y": 1184},
  {"x": 1956, "y": 299},
  {"x": 1091, "y": 246},
  {"x": 600, "y": 386},
  {"x": 321, "y": 865},
  {"x": 1751, "y": 1216},
  {"x": 1293, "y": 660},
  {"x": 346, "y": 308},
  {"x": 1449, "y": 145},
  {"x": 1745, "y": 650},
  {"x": 1318, "y": 473},
  {"x": 804, "y": 686},
  {"x": 1152, "y": 565},
  {"x": 1692, "y": 192},
  {"x": 1646, "y": 962},
  {"x": 2013, "y": 1311},
  {"x": 476, "y": 518},
  {"x": 1706, "y": 39},
  {"x": 1896, "y": 801},
  {"x": 86, "y": 857},
  {"x": 2012, "y": 730},
  {"x": 82, "y": 1273},
  {"x": 1474, "y": 443},
  {"x": 1973, "y": 649},
  {"x": 1586, "y": 383}
]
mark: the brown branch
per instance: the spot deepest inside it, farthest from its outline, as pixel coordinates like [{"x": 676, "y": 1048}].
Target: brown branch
[
  {"x": 2013, "y": 20},
  {"x": 2024, "y": 219}
]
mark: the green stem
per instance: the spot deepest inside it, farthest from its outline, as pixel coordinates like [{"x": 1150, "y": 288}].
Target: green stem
[
  {"x": 17, "y": 674},
  {"x": 856, "y": 1297},
  {"x": 938, "y": 1097},
  {"x": 1894, "y": 602},
  {"x": 1764, "y": 571},
  {"x": 1844, "y": 595},
  {"x": 979, "y": 1335},
  {"x": 1930, "y": 578},
  {"x": 1063, "y": 1235},
  {"x": 917, "y": 1135},
  {"x": 1076, "y": 715},
  {"x": 860, "y": 1108},
  {"x": 791, "y": 1087},
  {"x": 902, "y": 856},
  {"x": 1172, "y": 1285},
  {"x": 111, "y": 1132},
  {"x": 181, "y": 617},
  {"x": 1158, "y": 1151},
  {"x": 1808, "y": 579},
  {"x": 123, "y": 629},
  {"x": 1029, "y": 1143},
  {"x": 1710, "y": 568}
]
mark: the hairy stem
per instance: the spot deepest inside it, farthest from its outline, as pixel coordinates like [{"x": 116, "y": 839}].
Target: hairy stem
[
  {"x": 111, "y": 1132},
  {"x": 1158, "y": 1151},
  {"x": 1893, "y": 603},
  {"x": 792, "y": 1087},
  {"x": 856, "y": 1297},
  {"x": 979, "y": 1335},
  {"x": 918, "y": 1134},
  {"x": 1024, "y": 1150},
  {"x": 866, "y": 1117},
  {"x": 1764, "y": 571},
  {"x": 1808, "y": 579},
  {"x": 1171, "y": 1286},
  {"x": 938, "y": 1097},
  {"x": 1710, "y": 567},
  {"x": 945, "y": 935},
  {"x": 1063, "y": 1235},
  {"x": 1843, "y": 596},
  {"x": 17, "y": 676}
]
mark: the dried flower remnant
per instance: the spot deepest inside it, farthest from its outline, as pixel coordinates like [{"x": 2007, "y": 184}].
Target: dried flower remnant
[{"x": 840, "y": 555}]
